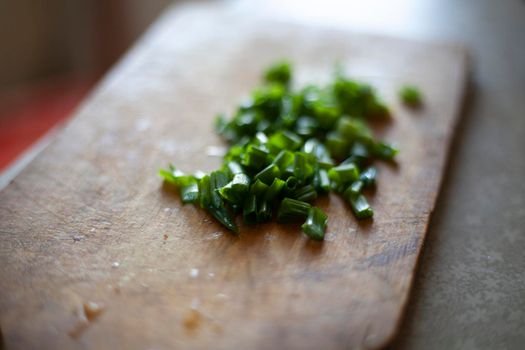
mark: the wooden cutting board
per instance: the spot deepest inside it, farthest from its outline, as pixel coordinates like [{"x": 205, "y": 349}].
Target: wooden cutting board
[{"x": 88, "y": 220}]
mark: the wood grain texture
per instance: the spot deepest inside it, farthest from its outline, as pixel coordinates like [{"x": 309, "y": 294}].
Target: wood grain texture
[{"x": 93, "y": 198}]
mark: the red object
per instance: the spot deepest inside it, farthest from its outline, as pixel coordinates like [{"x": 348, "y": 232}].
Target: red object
[{"x": 27, "y": 114}]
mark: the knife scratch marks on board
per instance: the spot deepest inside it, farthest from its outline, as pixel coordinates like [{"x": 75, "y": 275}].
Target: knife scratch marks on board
[
  {"x": 44, "y": 206},
  {"x": 390, "y": 255}
]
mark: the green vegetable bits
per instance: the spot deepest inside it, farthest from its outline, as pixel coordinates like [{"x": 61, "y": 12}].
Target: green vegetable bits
[
  {"x": 410, "y": 96},
  {"x": 287, "y": 147}
]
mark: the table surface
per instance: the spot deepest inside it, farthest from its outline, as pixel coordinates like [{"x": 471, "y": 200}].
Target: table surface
[{"x": 470, "y": 288}]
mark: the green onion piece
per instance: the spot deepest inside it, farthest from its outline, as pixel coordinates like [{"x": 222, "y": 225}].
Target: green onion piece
[
  {"x": 360, "y": 152},
  {"x": 267, "y": 100},
  {"x": 305, "y": 194},
  {"x": 204, "y": 192},
  {"x": 249, "y": 212},
  {"x": 234, "y": 167},
  {"x": 410, "y": 96},
  {"x": 292, "y": 210},
  {"x": 274, "y": 190},
  {"x": 354, "y": 189},
  {"x": 280, "y": 72},
  {"x": 234, "y": 154},
  {"x": 326, "y": 114},
  {"x": 385, "y": 151},
  {"x": 189, "y": 190},
  {"x": 246, "y": 122},
  {"x": 187, "y": 184},
  {"x": 321, "y": 181},
  {"x": 337, "y": 145},
  {"x": 264, "y": 211},
  {"x": 368, "y": 177},
  {"x": 268, "y": 174},
  {"x": 318, "y": 150},
  {"x": 377, "y": 109},
  {"x": 353, "y": 129},
  {"x": 285, "y": 160},
  {"x": 315, "y": 224},
  {"x": 258, "y": 188},
  {"x": 211, "y": 200},
  {"x": 225, "y": 128},
  {"x": 199, "y": 175},
  {"x": 284, "y": 140},
  {"x": 343, "y": 174},
  {"x": 255, "y": 157},
  {"x": 218, "y": 179},
  {"x": 303, "y": 169},
  {"x": 306, "y": 126},
  {"x": 168, "y": 177},
  {"x": 264, "y": 126},
  {"x": 236, "y": 189},
  {"x": 261, "y": 137},
  {"x": 171, "y": 175},
  {"x": 360, "y": 206},
  {"x": 290, "y": 185}
]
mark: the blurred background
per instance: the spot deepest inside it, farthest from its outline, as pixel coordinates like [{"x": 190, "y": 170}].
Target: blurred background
[{"x": 52, "y": 53}]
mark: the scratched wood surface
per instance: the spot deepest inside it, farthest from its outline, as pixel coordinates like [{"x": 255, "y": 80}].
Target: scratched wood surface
[{"x": 89, "y": 220}]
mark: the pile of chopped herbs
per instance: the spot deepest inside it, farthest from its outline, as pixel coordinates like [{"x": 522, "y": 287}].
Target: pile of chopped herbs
[{"x": 287, "y": 147}]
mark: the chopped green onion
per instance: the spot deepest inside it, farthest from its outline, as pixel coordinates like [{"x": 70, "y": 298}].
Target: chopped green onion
[
  {"x": 255, "y": 157},
  {"x": 205, "y": 192},
  {"x": 236, "y": 189},
  {"x": 360, "y": 153},
  {"x": 337, "y": 145},
  {"x": 315, "y": 224},
  {"x": 284, "y": 160},
  {"x": 284, "y": 140},
  {"x": 279, "y": 72},
  {"x": 321, "y": 180},
  {"x": 368, "y": 177},
  {"x": 264, "y": 211},
  {"x": 360, "y": 206},
  {"x": 306, "y": 126},
  {"x": 385, "y": 151},
  {"x": 286, "y": 147},
  {"x": 303, "y": 168},
  {"x": 259, "y": 188},
  {"x": 234, "y": 167},
  {"x": 268, "y": 174},
  {"x": 249, "y": 213},
  {"x": 318, "y": 150},
  {"x": 274, "y": 190},
  {"x": 354, "y": 189},
  {"x": 189, "y": 191},
  {"x": 292, "y": 210},
  {"x": 410, "y": 96},
  {"x": 305, "y": 194},
  {"x": 352, "y": 129},
  {"x": 212, "y": 202},
  {"x": 290, "y": 185},
  {"x": 343, "y": 174}
]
